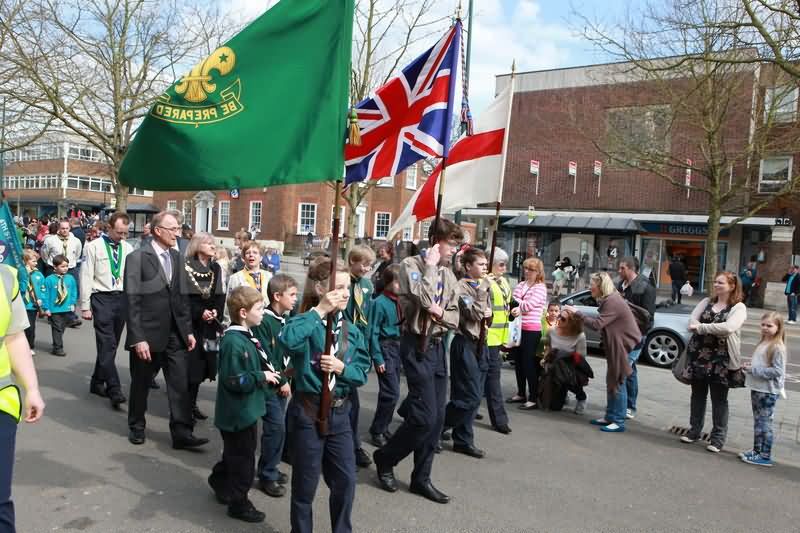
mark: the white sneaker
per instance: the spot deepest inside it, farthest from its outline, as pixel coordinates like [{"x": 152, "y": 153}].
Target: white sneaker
[
  {"x": 713, "y": 449},
  {"x": 630, "y": 414},
  {"x": 791, "y": 321},
  {"x": 687, "y": 440},
  {"x": 33, "y": 352},
  {"x": 580, "y": 407}
]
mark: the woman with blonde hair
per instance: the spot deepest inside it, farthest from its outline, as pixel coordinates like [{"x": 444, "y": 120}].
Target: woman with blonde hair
[
  {"x": 620, "y": 333},
  {"x": 531, "y": 295}
]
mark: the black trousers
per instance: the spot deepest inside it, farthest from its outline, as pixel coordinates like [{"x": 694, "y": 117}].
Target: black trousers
[
  {"x": 8, "y": 439},
  {"x": 233, "y": 475},
  {"x": 719, "y": 411},
  {"x": 467, "y": 378},
  {"x": 30, "y": 333},
  {"x": 388, "y": 387},
  {"x": 495, "y": 403},
  {"x": 424, "y": 408},
  {"x": 173, "y": 361},
  {"x": 108, "y": 315},
  {"x": 526, "y": 364},
  {"x": 58, "y": 323}
]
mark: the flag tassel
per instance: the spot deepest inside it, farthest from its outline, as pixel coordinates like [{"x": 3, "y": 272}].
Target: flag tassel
[{"x": 354, "y": 132}]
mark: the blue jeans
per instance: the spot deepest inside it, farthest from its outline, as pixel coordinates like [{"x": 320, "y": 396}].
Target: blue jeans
[
  {"x": 791, "y": 302},
  {"x": 273, "y": 437},
  {"x": 763, "y": 409},
  {"x": 615, "y": 406},
  {"x": 632, "y": 381}
]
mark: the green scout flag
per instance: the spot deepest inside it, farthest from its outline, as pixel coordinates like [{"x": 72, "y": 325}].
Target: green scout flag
[{"x": 267, "y": 108}]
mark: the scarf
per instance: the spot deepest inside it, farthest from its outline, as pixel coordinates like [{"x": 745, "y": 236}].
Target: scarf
[
  {"x": 280, "y": 318},
  {"x": 247, "y": 333},
  {"x": 393, "y": 297},
  {"x": 61, "y": 290},
  {"x": 337, "y": 329},
  {"x": 358, "y": 295}
]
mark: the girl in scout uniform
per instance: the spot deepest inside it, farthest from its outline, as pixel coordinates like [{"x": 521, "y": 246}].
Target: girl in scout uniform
[
  {"x": 33, "y": 295},
  {"x": 358, "y": 312},
  {"x": 332, "y": 453}
]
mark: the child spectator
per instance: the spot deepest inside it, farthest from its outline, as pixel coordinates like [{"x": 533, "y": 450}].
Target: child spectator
[
  {"x": 240, "y": 403},
  {"x": 765, "y": 375},
  {"x": 34, "y": 295},
  {"x": 283, "y": 296},
  {"x": 60, "y": 297}
]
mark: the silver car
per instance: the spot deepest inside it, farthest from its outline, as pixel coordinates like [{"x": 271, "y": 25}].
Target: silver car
[{"x": 665, "y": 341}]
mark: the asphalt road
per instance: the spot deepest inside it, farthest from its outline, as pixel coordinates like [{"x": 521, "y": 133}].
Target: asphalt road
[{"x": 76, "y": 471}]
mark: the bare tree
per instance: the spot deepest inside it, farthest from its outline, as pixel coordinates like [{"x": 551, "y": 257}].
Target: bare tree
[
  {"x": 96, "y": 66},
  {"x": 704, "y": 87},
  {"x": 384, "y": 35}
]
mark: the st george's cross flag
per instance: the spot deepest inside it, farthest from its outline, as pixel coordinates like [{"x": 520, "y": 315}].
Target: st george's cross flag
[
  {"x": 474, "y": 172},
  {"x": 410, "y": 117}
]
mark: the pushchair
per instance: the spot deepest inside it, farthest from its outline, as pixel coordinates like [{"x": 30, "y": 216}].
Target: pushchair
[{"x": 563, "y": 372}]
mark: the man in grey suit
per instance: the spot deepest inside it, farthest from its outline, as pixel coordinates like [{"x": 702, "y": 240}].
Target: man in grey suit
[{"x": 159, "y": 332}]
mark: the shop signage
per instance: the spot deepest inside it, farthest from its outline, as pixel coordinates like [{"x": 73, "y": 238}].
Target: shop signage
[
  {"x": 783, "y": 222},
  {"x": 671, "y": 228}
]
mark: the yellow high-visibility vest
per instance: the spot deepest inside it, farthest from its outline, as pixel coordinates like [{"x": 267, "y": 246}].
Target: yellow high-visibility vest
[
  {"x": 500, "y": 291},
  {"x": 9, "y": 393}
]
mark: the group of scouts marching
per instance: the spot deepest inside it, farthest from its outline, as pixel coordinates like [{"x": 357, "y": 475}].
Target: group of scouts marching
[{"x": 267, "y": 357}]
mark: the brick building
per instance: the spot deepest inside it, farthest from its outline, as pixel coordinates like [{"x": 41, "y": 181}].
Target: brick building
[
  {"x": 287, "y": 213},
  {"x": 557, "y": 114},
  {"x": 49, "y": 176}
]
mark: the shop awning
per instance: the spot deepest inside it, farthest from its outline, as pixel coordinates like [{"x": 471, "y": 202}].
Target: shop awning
[
  {"x": 137, "y": 208},
  {"x": 575, "y": 224}
]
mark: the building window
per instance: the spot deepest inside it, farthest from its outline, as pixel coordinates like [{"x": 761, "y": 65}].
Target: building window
[
  {"x": 306, "y": 219},
  {"x": 424, "y": 228},
  {"x": 136, "y": 191},
  {"x": 172, "y": 205},
  {"x": 35, "y": 152},
  {"x": 411, "y": 177},
  {"x": 85, "y": 153},
  {"x": 383, "y": 221},
  {"x": 87, "y": 183},
  {"x": 186, "y": 209},
  {"x": 774, "y": 174},
  {"x": 780, "y": 104},
  {"x": 224, "y": 215},
  {"x": 255, "y": 216},
  {"x": 637, "y": 133},
  {"x": 386, "y": 182},
  {"x": 408, "y": 234}
]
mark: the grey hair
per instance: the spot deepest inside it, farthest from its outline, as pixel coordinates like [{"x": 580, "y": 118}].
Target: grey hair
[
  {"x": 500, "y": 255},
  {"x": 198, "y": 239}
]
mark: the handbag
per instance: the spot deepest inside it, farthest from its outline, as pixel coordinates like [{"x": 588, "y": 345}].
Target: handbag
[
  {"x": 514, "y": 333},
  {"x": 680, "y": 368},
  {"x": 211, "y": 345}
]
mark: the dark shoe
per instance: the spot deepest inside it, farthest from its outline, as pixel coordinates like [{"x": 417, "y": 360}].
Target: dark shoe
[
  {"x": 246, "y": 512},
  {"x": 447, "y": 434},
  {"x": 283, "y": 479},
  {"x": 504, "y": 429},
  {"x": 197, "y": 414},
  {"x": 99, "y": 389},
  {"x": 386, "y": 478},
  {"x": 379, "y": 441},
  {"x": 117, "y": 398},
  {"x": 272, "y": 488},
  {"x": 438, "y": 448},
  {"x": 478, "y": 416},
  {"x": 472, "y": 451},
  {"x": 221, "y": 498},
  {"x": 136, "y": 437},
  {"x": 75, "y": 324},
  {"x": 59, "y": 352},
  {"x": 362, "y": 459},
  {"x": 427, "y": 490},
  {"x": 188, "y": 442},
  {"x": 154, "y": 385}
]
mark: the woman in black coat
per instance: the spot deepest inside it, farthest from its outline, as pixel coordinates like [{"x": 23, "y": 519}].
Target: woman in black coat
[{"x": 206, "y": 302}]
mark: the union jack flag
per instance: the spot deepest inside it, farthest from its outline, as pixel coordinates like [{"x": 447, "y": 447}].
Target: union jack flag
[{"x": 409, "y": 118}]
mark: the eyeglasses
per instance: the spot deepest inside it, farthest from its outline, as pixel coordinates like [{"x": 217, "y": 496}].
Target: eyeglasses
[
  {"x": 173, "y": 230},
  {"x": 501, "y": 264}
]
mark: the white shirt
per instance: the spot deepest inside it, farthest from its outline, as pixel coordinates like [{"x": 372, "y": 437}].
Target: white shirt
[
  {"x": 53, "y": 246},
  {"x": 160, "y": 254},
  {"x": 96, "y": 270}
]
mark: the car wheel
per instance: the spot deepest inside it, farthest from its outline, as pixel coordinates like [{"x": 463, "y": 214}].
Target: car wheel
[{"x": 662, "y": 348}]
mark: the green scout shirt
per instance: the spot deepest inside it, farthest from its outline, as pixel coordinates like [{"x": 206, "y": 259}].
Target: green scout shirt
[
  {"x": 383, "y": 324},
  {"x": 303, "y": 337},
  {"x": 240, "y": 388},
  {"x": 267, "y": 334}
]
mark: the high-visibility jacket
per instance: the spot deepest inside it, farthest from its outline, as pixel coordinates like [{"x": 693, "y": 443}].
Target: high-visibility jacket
[
  {"x": 500, "y": 292},
  {"x": 9, "y": 393}
]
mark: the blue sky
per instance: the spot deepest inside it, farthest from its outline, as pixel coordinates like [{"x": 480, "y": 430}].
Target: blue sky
[{"x": 538, "y": 34}]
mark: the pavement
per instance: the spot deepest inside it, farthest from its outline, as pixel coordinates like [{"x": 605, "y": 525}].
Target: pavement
[{"x": 76, "y": 471}]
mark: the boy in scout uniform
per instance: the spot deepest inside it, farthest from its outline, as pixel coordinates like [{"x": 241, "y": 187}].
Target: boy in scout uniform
[
  {"x": 240, "y": 403},
  {"x": 429, "y": 302},
  {"x": 314, "y": 452},
  {"x": 469, "y": 355},
  {"x": 358, "y": 311}
]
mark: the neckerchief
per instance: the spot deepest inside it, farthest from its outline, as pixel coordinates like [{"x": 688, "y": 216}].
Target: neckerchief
[
  {"x": 472, "y": 283},
  {"x": 358, "y": 296},
  {"x": 61, "y": 290},
  {"x": 114, "y": 259},
  {"x": 337, "y": 328},
  {"x": 439, "y": 290},
  {"x": 65, "y": 244},
  {"x": 247, "y": 333},
  {"x": 31, "y": 291},
  {"x": 393, "y": 297},
  {"x": 280, "y": 318},
  {"x": 253, "y": 278}
]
